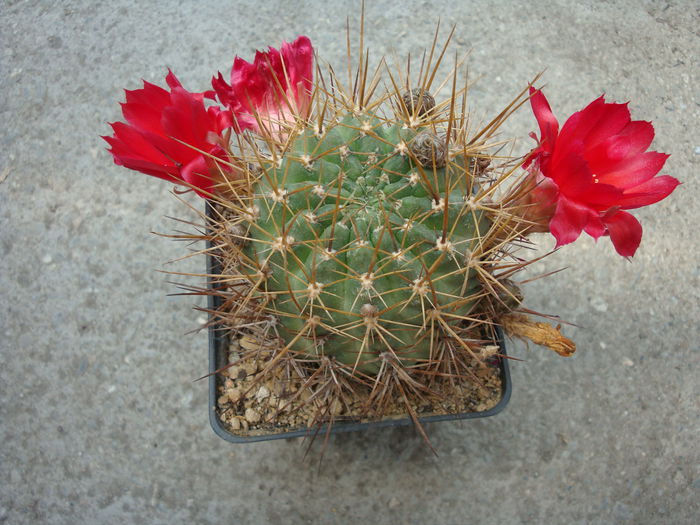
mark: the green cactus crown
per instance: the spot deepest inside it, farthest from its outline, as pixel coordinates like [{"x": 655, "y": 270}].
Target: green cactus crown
[{"x": 359, "y": 242}]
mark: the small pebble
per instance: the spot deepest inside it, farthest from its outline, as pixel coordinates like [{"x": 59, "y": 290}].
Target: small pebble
[
  {"x": 627, "y": 361},
  {"x": 336, "y": 407},
  {"x": 223, "y": 399},
  {"x": 47, "y": 259},
  {"x": 251, "y": 415},
  {"x": 262, "y": 393},
  {"x": 393, "y": 503},
  {"x": 697, "y": 150},
  {"x": 234, "y": 395},
  {"x": 235, "y": 423}
]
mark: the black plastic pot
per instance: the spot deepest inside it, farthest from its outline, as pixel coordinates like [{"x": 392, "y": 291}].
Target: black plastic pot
[{"x": 218, "y": 358}]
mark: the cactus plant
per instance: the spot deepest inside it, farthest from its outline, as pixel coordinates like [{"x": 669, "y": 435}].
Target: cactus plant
[
  {"x": 367, "y": 237},
  {"x": 364, "y": 242}
]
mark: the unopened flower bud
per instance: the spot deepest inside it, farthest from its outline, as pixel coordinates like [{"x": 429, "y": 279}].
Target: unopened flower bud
[
  {"x": 418, "y": 101},
  {"x": 429, "y": 150}
]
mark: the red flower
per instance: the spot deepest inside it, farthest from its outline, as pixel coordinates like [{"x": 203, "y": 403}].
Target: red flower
[
  {"x": 591, "y": 170},
  {"x": 171, "y": 135},
  {"x": 272, "y": 91}
]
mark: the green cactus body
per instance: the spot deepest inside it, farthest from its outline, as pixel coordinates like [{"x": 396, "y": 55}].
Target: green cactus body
[{"x": 354, "y": 246}]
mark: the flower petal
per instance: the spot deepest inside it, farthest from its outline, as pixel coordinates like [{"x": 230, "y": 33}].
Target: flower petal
[
  {"x": 610, "y": 151},
  {"x": 145, "y": 117},
  {"x": 640, "y": 134},
  {"x": 595, "y": 227},
  {"x": 549, "y": 127},
  {"x": 569, "y": 220},
  {"x": 298, "y": 63},
  {"x": 196, "y": 174},
  {"x": 578, "y": 125},
  {"x": 130, "y": 142},
  {"x": 649, "y": 192},
  {"x": 149, "y": 94},
  {"x": 633, "y": 171},
  {"x": 625, "y": 232},
  {"x": 131, "y": 150},
  {"x": 592, "y": 125},
  {"x": 605, "y": 121},
  {"x": 633, "y": 140},
  {"x": 172, "y": 80}
]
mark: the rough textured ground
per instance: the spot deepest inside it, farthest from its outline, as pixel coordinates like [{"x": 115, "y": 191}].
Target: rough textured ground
[{"x": 100, "y": 421}]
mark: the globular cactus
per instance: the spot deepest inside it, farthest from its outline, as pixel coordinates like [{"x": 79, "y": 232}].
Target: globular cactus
[{"x": 361, "y": 235}]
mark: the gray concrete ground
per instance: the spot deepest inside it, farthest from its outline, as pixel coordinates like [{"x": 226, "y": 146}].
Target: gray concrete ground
[{"x": 100, "y": 421}]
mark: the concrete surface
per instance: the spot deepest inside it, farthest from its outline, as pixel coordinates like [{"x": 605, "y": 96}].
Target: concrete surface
[{"x": 100, "y": 421}]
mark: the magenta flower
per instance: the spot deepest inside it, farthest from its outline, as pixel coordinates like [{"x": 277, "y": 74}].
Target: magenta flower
[
  {"x": 272, "y": 92},
  {"x": 584, "y": 176},
  {"x": 172, "y": 135}
]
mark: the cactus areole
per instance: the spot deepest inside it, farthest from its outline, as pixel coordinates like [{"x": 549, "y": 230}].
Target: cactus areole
[{"x": 359, "y": 242}]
